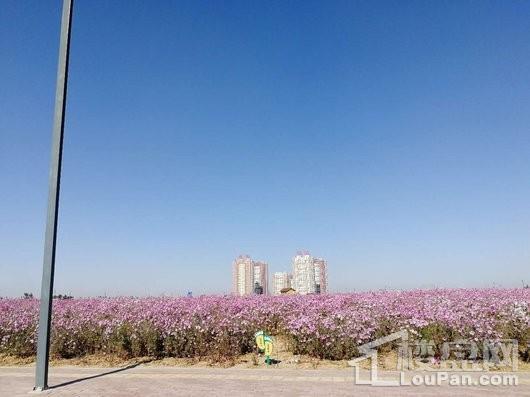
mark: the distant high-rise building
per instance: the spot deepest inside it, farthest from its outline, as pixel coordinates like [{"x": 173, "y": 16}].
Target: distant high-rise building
[
  {"x": 249, "y": 277},
  {"x": 243, "y": 275},
  {"x": 303, "y": 273},
  {"x": 252, "y": 277},
  {"x": 321, "y": 275},
  {"x": 280, "y": 280},
  {"x": 261, "y": 278}
]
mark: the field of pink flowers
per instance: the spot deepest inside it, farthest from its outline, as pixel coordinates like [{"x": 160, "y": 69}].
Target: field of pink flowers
[{"x": 324, "y": 326}]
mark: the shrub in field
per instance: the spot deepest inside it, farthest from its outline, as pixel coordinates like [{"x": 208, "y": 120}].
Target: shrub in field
[{"x": 325, "y": 326}]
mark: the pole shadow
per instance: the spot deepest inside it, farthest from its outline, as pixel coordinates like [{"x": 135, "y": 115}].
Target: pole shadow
[{"x": 115, "y": 371}]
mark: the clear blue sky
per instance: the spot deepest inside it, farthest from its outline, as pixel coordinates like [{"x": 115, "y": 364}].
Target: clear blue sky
[{"x": 391, "y": 138}]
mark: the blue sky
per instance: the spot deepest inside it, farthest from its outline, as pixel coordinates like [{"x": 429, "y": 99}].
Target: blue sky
[{"x": 391, "y": 138}]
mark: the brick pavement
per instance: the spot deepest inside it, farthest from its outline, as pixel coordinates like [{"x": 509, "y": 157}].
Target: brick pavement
[{"x": 171, "y": 381}]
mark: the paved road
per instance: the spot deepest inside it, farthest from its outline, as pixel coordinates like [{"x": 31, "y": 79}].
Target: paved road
[{"x": 171, "y": 381}]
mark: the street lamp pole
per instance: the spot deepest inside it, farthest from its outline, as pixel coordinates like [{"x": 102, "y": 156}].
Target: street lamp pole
[{"x": 50, "y": 240}]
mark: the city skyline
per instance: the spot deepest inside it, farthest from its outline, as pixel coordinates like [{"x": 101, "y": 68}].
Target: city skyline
[
  {"x": 385, "y": 137},
  {"x": 308, "y": 275}
]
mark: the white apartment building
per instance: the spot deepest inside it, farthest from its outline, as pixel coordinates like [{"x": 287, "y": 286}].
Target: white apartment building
[
  {"x": 243, "y": 275},
  {"x": 246, "y": 273},
  {"x": 321, "y": 275},
  {"x": 304, "y": 273},
  {"x": 280, "y": 280},
  {"x": 261, "y": 276}
]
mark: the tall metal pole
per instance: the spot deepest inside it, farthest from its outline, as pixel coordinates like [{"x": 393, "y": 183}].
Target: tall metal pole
[{"x": 50, "y": 240}]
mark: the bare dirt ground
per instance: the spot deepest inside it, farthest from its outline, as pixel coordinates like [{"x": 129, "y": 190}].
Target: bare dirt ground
[{"x": 283, "y": 360}]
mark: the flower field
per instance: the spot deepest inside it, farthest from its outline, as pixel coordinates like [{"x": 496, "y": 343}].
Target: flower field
[{"x": 324, "y": 326}]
